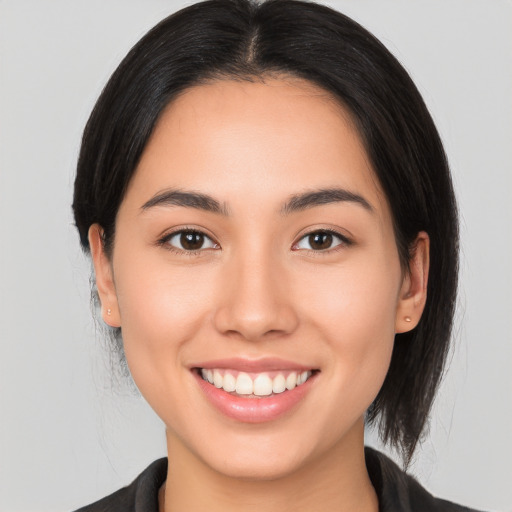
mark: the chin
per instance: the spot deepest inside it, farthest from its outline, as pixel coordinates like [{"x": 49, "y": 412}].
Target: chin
[
  {"x": 254, "y": 467},
  {"x": 261, "y": 457}
]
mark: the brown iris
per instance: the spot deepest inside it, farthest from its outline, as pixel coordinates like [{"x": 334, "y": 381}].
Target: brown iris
[
  {"x": 320, "y": 240},
  {"x": 191, "y": 240}
]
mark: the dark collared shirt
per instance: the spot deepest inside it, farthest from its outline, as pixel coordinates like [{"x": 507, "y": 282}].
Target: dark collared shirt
[{"x": 396, "y": 490}]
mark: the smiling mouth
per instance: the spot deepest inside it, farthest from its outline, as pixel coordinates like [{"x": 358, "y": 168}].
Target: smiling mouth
[{"x": 255, "y": 385}]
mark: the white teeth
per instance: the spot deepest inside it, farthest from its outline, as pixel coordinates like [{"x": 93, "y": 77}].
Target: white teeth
[
  {"x": 229, "y": 383},
  {"x": 303, "y": 377},
  {"x": 279, "y": 384},
  {"x": 244, "y": 384},
  {"x": 263, "y": 384},
  {"x": 291, "y": 380},
  {"x": 217, "y": 379}
]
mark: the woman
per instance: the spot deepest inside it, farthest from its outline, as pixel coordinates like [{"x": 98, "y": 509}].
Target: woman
[{"x": 273, "y": 229}]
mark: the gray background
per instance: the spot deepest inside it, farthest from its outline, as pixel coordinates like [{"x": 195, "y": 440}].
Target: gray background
[{"x": 68, "y": 435}]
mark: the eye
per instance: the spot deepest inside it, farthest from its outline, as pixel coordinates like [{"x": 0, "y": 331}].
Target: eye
[
  {"x": 321, "y": 240},
  {"x": 189, "y": 240}
]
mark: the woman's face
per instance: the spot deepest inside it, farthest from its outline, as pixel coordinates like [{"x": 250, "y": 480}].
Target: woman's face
[{"x": 254, "y": 245}]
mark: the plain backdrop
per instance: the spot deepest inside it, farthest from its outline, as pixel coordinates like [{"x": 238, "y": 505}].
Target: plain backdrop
[{"x": 68, "y": 434}]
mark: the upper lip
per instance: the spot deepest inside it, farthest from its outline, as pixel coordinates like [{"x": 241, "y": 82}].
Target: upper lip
[{"x": 265, "y": 364}]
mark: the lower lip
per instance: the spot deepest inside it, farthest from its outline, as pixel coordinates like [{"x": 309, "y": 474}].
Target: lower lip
[{"x": 254, "y": 410}]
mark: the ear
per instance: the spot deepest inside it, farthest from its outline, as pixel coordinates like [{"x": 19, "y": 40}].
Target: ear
[
  {"x": 413, "y": 292},
  {"x": 104, "y": 278}
]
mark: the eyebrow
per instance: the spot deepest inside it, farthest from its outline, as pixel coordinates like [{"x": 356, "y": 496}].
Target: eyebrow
[
  {"x": 323, "y": 196},
  {"x": 189, "y": 199},
  {"x": 298, "y": 202}
]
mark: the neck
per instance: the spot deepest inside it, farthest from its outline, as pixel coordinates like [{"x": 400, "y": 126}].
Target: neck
[{"x": 336, "y": 482}]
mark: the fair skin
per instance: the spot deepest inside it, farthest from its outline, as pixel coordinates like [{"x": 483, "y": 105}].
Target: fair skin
[{"x": 258, "y": 288}]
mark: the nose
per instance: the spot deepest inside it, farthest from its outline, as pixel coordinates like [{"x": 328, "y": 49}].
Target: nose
[{"x": 255, "y": 302}]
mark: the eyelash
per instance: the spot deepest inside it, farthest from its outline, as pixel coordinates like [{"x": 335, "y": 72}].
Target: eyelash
[
  {"x": 344, "y": 241},
  {"x": 164, "y": 241}
]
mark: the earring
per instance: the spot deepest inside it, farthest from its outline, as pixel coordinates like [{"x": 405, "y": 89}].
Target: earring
[
  {"x": 109, "y": 311},
  {"x": 407, "y": 318}
]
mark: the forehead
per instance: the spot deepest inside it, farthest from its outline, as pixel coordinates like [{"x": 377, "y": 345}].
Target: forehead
[{"x": 233, "y": 138}]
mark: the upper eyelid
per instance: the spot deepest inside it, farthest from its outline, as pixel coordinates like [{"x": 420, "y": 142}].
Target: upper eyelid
[
  {"x": 345, "y": 243},
  {"x": 163, "y": 242},
  {"x": 169, "y": 234},
  {"x": 346, "y": 239},
  {"x": 181, "y": 231}
]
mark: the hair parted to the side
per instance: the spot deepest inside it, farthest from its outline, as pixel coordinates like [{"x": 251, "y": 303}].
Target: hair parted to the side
[{"x": 245, "y": 40}]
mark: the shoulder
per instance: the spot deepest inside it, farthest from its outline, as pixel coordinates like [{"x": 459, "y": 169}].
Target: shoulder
[
  {"x": 399, "y": 492},
  {"x": 140, "y": 496}
]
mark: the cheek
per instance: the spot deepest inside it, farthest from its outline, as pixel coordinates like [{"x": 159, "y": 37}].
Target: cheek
[
  {"x": 162, "y": 308},
  {"x": 360, "y": 296},
  {"x": 353, "y": 310}
]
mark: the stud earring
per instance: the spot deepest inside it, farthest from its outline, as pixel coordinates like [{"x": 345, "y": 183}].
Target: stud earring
[
  {"x": 407, "y": 318},
  {"x": 109, "y": 311}
]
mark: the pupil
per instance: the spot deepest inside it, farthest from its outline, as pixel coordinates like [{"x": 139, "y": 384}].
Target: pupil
[
  {"x": 191, "y": 241},
  {"x": 320, "y": 240}
]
